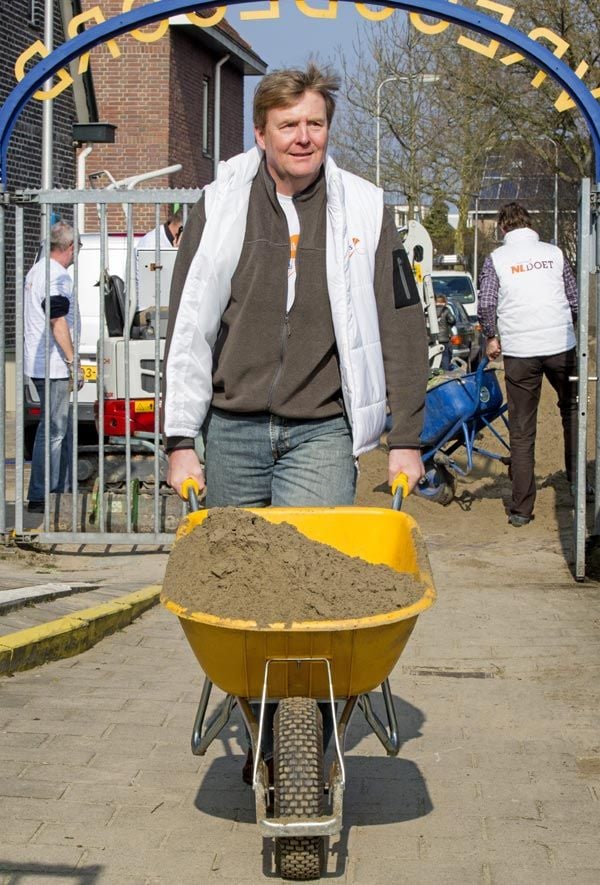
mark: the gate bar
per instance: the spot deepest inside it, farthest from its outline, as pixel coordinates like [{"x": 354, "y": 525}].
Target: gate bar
[
  {"x": 2, "y": 367},
  {"x": 583, "y": 284}
]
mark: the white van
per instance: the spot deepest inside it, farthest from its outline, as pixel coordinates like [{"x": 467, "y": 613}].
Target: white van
[{"x": 458, "y": 285}]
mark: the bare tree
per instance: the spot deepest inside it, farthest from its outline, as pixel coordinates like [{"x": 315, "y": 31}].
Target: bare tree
[
  {"x": 436, "y": 137},
  {"x": 392, "y": 69}
]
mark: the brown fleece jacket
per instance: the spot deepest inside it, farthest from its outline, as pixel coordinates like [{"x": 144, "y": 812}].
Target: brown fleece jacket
[{"x": 267, "y": 360}]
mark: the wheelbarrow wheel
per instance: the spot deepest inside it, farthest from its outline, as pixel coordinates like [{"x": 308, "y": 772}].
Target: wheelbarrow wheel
[
  {"x": 298, "y": 775},
  {"x": 437, "y": 485}
]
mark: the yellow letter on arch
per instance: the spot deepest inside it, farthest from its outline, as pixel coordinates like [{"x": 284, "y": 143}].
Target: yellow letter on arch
[
  {"x": 147, "y": 36},
  {"x": 490, "y": 49},
  {"x": 373, "y": 15},
  {"x": 424, "y": 27},
  {"x": 564, "y": 102},
  {"x": 64, "y": 78},
  {"x": 92, "y": 15},
  {"x": 214, "y": 19},
  {"x": 330, "y": 12},
  {"x": 253, "y": 14},
  {"x": 560, "y": 47}
]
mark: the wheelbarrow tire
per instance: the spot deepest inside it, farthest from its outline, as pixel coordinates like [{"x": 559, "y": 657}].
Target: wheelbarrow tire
[
  {"x": 298, "y": 776},
  {"x": 437, "y": 485}
]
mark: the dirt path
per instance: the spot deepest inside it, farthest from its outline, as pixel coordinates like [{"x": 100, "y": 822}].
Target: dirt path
[{"x": 474, "y": 527}]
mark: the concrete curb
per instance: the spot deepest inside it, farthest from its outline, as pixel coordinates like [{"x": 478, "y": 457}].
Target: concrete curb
[{"x": 74, "y": 633}]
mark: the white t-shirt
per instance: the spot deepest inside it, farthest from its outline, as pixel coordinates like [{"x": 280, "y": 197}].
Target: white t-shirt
[
  {"x": 287, "y": 204},
  {"x": 61, "y": 284}
]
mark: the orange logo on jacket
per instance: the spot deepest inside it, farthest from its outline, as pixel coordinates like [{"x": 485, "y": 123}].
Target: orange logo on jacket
[{"x": 353, "y": 248}]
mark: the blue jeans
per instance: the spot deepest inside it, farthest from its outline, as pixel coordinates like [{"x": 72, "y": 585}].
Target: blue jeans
[
  {"x": 258, "y": 460},
  {"x": 61, "y": 440}
]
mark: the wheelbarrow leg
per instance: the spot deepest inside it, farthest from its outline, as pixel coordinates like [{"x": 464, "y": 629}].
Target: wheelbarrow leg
[
  {"x": 201, "y": 743},
  {"x": 390, "y": 740}
]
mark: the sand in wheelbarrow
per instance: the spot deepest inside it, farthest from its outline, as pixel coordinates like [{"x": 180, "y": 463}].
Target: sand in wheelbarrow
[{"x": 237, "y": 565}]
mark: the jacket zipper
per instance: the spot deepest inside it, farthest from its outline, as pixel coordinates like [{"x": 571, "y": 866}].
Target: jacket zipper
[{"x": 285, "y": 334}]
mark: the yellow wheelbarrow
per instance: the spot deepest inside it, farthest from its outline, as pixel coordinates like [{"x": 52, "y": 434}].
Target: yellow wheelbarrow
[{"x": 302, "y": 663}]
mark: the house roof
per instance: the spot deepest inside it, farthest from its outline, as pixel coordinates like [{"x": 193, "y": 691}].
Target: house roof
[{"x": 223, "y": 38}]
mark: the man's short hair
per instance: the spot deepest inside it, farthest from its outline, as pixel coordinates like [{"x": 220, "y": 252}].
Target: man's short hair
[
  {"x": 513, "y": 216},
  {"x": 61, "y": 236},
  {"x": 282, "y": 89}
]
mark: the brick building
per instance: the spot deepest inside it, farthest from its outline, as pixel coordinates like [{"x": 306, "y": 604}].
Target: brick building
[{"x": 161, "y": 96}]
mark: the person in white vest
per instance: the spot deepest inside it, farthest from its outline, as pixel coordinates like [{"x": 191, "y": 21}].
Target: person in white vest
[
  {"x": 64, "y": 314},
  {"x": 527, "y": 310},
  {"x": 294, "y": 320}
]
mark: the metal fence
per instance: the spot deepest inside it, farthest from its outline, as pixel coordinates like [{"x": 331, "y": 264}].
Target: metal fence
[
  {"x": 118, "y": 494},
  {"x": 112, "y": 500}
]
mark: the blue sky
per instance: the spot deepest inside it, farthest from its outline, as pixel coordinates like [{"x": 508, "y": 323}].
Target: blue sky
[{"x": 292, "y": 39}]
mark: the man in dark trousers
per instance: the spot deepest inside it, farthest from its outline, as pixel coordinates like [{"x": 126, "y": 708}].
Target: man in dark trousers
[{"x": 527, "y": 308}]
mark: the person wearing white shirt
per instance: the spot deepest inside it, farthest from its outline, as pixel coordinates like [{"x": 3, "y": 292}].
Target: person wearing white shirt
[{"x": 63, "y": 315}]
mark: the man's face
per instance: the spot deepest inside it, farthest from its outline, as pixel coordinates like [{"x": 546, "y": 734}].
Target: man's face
[
  {"x": 66, "y": 257},
  {"x": 294, "y": 140}
]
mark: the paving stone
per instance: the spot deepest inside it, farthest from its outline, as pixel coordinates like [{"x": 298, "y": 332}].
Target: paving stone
[
  {"x": 40, "y": 754},
  {"x": 526, "y": 874},
  {"x": 125, "y": 794},
  {"x": 191, "y": 866},
  {"x": 19, "y": 786},
  {"x": 42, "y": 860},
  {"x": 30, "y": 809},
  {"x": 121, "y": 771}
]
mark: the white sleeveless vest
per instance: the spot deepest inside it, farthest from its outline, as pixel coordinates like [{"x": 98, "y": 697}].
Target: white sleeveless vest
[
  {"x": 354, "y": 212},
  {"x": 534, "y": 317}
]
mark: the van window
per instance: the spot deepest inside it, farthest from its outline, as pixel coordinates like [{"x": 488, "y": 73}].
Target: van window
[{"x": 457, "y": 287}]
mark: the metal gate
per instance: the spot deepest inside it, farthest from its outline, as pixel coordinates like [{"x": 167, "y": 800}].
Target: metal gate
[
  {"x": 130, "y": 508},
  {"x": 118, "y": 494}
]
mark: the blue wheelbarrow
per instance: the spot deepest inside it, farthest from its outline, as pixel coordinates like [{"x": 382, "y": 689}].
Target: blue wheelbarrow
[{"x": 456, "y": 411}]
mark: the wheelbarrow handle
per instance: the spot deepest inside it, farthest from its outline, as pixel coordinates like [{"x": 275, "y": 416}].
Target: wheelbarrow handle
[
  {"x": 399, "y": 490},
  {"x": 190, "y": 491}
]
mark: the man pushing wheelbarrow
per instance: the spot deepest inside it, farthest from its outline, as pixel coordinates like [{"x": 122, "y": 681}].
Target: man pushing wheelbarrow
[
  {"x": 294, "y": 321},
  {"x": 294, "y": 315}
]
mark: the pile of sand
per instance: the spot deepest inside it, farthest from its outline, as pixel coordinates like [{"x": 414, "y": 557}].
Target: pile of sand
[{"x": 237, "y": 565}]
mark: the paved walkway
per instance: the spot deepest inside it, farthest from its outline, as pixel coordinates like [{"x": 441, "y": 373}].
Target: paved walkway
[{"x": 497, "y": 781}]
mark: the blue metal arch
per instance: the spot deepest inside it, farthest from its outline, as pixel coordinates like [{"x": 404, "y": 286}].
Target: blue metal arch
[{"x": 162, "y": 9}]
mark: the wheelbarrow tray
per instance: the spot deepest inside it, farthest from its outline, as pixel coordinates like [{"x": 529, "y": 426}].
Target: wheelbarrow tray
[
  {"x": 458, "y": 401},
  {"x": 361, "y": 652}
]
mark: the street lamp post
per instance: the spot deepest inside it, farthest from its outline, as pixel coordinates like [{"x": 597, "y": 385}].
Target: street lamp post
[
  {"x": 378, "y": 125},
  {"x": 476, "y": 240},
  {"x": 555, "y": 187},
  {"x": 404, "y": 78}
]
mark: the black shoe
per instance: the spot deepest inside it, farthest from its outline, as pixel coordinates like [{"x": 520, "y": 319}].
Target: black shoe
[
  {"x": 35, "y": 506},
  {"x": 517, "y": 521}
]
